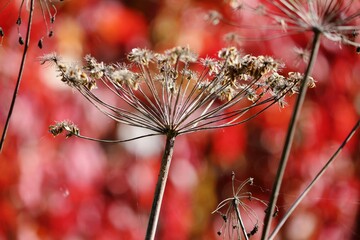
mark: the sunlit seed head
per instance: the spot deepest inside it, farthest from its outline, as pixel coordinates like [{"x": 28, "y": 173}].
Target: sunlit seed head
[
  {"x": 125, "y": 77},
  {"x": 96, "y": 69},
  {"x": 140, "y": 56}
]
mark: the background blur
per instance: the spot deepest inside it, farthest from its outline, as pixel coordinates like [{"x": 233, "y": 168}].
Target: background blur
[{"x": 57, "y": 188}]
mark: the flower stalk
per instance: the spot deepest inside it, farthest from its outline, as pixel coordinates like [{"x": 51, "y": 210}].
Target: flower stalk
[
  {"x": 312, "y": 183},
  {"x": 160, "y": 187},
  {"x": 290, "y": 136},
  {"x": 44, "y": 6},
  {"x": 20, "y": 73}
]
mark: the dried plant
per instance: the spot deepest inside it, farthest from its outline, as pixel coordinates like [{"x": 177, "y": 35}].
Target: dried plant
[
  {"x": 174, "y": 93},
  {"x": 336, "y": 20},
  {"x": 236, "y": 206}
]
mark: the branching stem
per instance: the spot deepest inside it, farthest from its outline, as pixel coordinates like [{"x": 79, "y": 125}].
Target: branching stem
[{"x": 317, "y": 177}]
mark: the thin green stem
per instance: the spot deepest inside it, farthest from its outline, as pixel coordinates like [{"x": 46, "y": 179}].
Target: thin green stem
[
  {"x": 160, "y": 186},
  {"x": 21, "y": 70},
  {"x": 308, "y": 188},
  {"x": 290, "y": 136}
]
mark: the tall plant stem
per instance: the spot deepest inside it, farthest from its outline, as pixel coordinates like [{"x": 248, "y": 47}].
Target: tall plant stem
[
  {"x": 308, "y": 188},
  {"x": 21, "y": 70},
  {"x": 290, "y": 136},
  {"x": 160, "y": 186}
]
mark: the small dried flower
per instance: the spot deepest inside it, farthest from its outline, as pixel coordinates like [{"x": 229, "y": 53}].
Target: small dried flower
[
  {"x": 140, "y": 56},
  {"x": 234, "y": 209},
  {"x": 125, "y": 77},
  {"x": 70, "y": 128},
  {"x": 95, "y": 69}
]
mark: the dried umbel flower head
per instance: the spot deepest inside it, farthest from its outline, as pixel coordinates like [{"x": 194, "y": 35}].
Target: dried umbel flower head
[
  {"x": 233, "y": 209},
  {"x": 175, "y": 92},
  {"x": 337, "y": 20}
]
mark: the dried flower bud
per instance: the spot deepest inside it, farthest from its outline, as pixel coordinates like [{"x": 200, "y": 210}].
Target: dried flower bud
[
  {"x": 67, "y": 126},
  {"x": 21, "y": 41},
  {"x": 140, "y": 56},
  {"x": 125, "y": 77},
  {"x": 95, "y": 68},
  {"x": 40, "y": 43}
]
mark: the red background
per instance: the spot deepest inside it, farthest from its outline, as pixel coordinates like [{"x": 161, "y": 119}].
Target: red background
[{"x": 57, "y": 188}]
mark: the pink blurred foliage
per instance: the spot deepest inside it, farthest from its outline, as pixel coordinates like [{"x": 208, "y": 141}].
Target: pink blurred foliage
[{"x": 56, "y": 188}]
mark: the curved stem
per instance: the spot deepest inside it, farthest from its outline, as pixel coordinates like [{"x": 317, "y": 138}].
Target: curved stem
[
  {"x": 308, "y": 188},
  {"x": 116, "y": 140},
  {"x": 160, "y": 186},
  {"x": 290, "y": 136},
  {"x": 21, "y": 70}
]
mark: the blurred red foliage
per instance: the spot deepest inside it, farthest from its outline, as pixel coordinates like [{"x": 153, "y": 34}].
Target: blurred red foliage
[{"x": 74, "y": 189}]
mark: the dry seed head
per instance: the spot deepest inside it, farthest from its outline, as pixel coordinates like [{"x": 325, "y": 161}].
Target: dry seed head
[
  {"x": 125, "y": 77},
  {"x": 140, "y": 56},
  {"x": 96, "y": 69},
  {"x": 162, "y": 91}
]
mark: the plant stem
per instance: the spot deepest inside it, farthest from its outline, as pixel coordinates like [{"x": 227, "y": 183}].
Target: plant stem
[
  {"x": 21, "y": 70},
  {"x": 308, "y": 188},
  {"x": 290, "y": 136},
  {"x": 235, "y": 203},
  {"x": 160, "y": 186}
]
